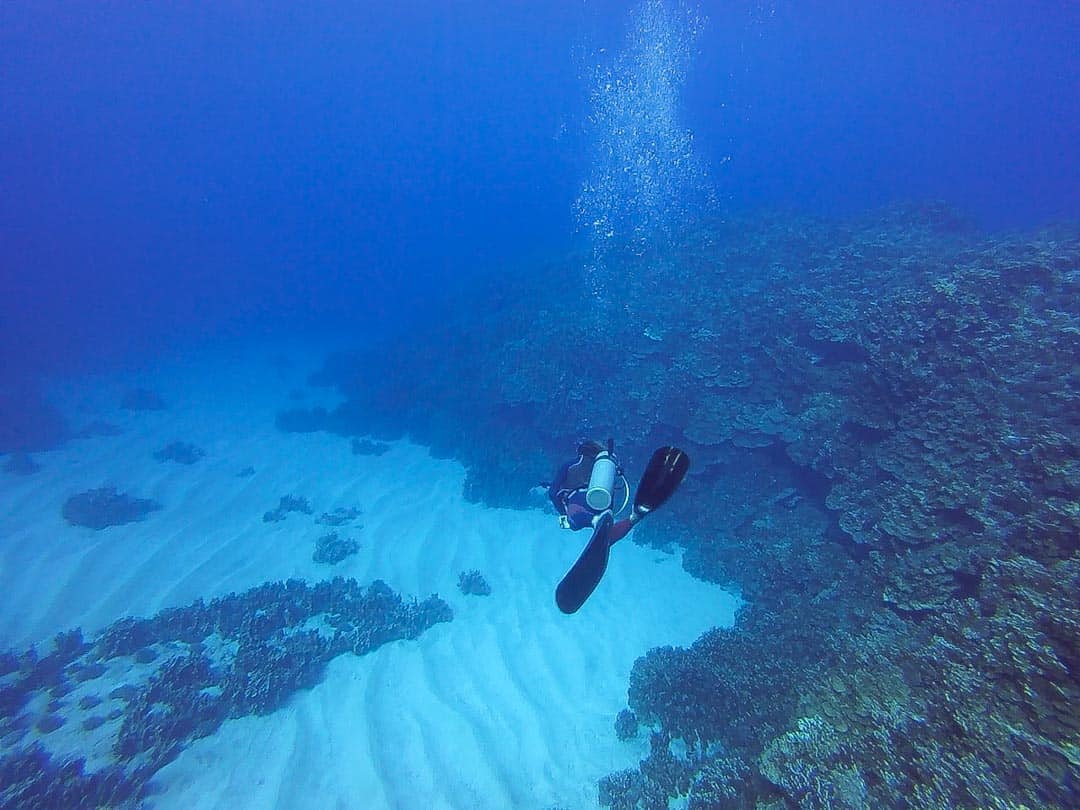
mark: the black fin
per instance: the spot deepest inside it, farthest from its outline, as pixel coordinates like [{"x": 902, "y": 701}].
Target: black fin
[
  {"x": 585, "y": 574},
  {"x": 662, "y": 477}
]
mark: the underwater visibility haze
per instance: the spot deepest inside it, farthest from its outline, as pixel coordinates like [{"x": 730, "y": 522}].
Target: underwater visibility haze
[{"x": 633, "y": 404}]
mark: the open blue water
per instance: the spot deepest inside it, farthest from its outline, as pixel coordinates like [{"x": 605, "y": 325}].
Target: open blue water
[{"x": 197, "y": 170}]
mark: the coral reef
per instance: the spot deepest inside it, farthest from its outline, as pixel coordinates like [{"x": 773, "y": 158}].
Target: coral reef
[
  {"x": 994, "y": 672},
  {"x": 472, "y": 583},
  {"x": 366, "y": 447},
  {"x": 621, "y": 790},
  {"x": 885, "y": 420},
  {"x": 180, "y": 452},
  {"x": 626, "y": 725},
  {"x": 104, "y": 507},
  {"x": 287, "y": 504},
  {"x": 331, "y": 549},
  {"x": 340, "y": 516},
  {"x": 238, "y": 655}
]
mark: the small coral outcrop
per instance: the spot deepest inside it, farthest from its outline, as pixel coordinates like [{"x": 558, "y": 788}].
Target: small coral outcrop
[
  {"x": 287, "y": 504},
  {"x": 472, "y": 583},
  {"x": 104, "y": 507},
  {"x": 331, "y": 549},
  {"x": 340, "y": 516},
  {"x": 626, "y": 725},
  {"x": 180, "y": 452},
  {"x": 366, "y": 447}
]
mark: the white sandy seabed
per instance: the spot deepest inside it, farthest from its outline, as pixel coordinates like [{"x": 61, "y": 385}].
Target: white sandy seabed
[{"x": 512, "y": 704}]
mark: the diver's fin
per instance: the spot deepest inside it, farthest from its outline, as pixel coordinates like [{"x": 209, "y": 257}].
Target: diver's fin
[
  {"x": 665, "y": 472},
  {"x": 583, "y": 577}
]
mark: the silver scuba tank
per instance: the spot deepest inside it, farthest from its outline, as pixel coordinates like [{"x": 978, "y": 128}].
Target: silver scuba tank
[{"x": 598, "y": 496}]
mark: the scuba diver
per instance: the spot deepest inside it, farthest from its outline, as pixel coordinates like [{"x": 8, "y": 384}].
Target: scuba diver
[{"x": 585, "y": 493}]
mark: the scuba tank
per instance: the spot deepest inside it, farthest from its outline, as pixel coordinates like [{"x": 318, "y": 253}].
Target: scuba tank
[{"x": 602, "y": 480}]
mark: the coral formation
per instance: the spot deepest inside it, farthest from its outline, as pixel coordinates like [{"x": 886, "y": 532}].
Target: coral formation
[
  {"x": 239, "y": 655},
  {"x": 104, "y": 507},
  {"x": 287, "y": 504},
  {"x": 331, "y": 549},
  {"x": 366, "y": 447},
  {"x": 472, "y": 583},
  {"x": 626, "y": 725},
  {"x": 180, "y": 452},
  {"x": 340, "y": 516},
  {"x": 885, "y": 420}
]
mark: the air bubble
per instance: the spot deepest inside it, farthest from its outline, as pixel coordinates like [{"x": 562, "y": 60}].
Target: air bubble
[{"x": 645, "y": 181}]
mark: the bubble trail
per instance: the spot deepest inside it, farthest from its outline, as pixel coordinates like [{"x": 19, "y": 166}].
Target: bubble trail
[{"x": 645, "y": 181}]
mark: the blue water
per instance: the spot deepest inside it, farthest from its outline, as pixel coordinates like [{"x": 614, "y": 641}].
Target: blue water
[
  {"x": 171, "y": 172},
  {"x": 829, "y": 249}
]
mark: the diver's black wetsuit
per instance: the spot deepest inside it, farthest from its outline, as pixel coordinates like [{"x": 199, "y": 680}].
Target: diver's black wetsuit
[{"x": 567, "y": 493}]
